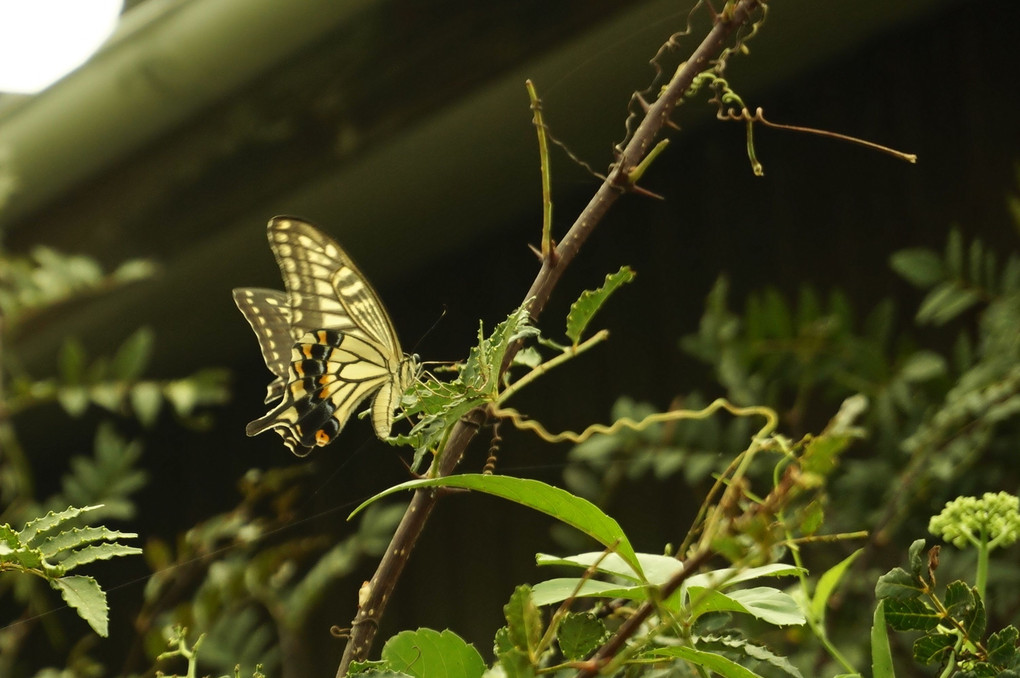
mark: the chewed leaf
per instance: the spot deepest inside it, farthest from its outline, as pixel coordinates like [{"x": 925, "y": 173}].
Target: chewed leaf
[{"x": 590, "y": 301}]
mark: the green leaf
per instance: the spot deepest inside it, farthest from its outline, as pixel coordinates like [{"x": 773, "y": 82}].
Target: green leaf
[
  {"x": 945, "y": 302},
  {"x": 71, "y": 361},
  {"x": 910, "y": 615},
  {"x": 77, "y": 537},
  {"x": 1002, "y": 646},
  {"x": 579, "y": 634},
  {"x": 920, "y": 267},
  {"x": 727, "y": 576},
  {"x": 133, "y": 355},
  {"x": 146, "y": 402},
  {"x": 933, "y": 647},
  {"x": 524, "y": 621},
  {"x": 915, "y": 556},
  {"x": 91, "y": 554},
  {"x": 710, "y": 660},
  {"x": 134, "y": 269},
  {"x": 87, "y": 599},
  {"x": 51, "y": 520},
  {"x": 590, "y": 301},
  {"x": 553, "y": 501},
  {"x": 898, "y": 584},
  {"x": 426, "y": 653},
  {"x": 827, "y": 583},
  {"x": 514, "y": 662},
  {"x": 658, "y": 569},
  {"x": 922, "y": 366},
  {"x": 954, "y": 253},
  {"x": 763, "y": 602},
  {"x": 881, "y": 653},
  {"x": 964, "y": 605},
  {"x": 559, "y": 589},
  {"x": 74, "y": 399}
]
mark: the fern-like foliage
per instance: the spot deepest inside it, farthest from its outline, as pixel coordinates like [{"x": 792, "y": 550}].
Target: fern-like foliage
[
  {"x": 48, "y": 548},
  {"x": 46, "y": 278}
]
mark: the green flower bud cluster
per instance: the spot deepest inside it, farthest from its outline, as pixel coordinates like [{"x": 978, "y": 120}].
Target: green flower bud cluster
[{"x": 990, "y": 521}]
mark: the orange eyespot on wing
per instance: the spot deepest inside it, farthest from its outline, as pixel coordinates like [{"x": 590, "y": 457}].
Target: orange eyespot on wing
[{"x": 328, "y": 340}]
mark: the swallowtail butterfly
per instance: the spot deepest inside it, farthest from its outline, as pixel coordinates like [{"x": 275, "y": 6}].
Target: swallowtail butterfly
[{"x": 328, "y": 340}]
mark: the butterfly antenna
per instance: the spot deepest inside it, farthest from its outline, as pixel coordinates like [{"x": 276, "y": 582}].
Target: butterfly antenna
[{"x": 429, "y": 330}]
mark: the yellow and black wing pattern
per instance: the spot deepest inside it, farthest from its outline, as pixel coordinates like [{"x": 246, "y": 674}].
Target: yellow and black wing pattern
[{"x": 327, "y": 339}]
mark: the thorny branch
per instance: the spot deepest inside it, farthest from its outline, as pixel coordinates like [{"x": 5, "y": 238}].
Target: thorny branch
[{"x": 376, "y": 593}]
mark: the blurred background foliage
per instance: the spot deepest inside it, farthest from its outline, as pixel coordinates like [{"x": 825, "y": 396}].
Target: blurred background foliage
[{"x": 133, "y": 197}]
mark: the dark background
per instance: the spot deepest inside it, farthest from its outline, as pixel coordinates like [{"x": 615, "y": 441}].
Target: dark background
[{"x": 404, "y": 130}]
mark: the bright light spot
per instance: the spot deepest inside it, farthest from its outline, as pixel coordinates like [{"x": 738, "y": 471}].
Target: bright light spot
[{"x": 41, "y": 41}]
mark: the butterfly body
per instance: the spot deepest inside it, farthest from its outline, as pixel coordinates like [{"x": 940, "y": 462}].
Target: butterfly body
[{"x": 328, "y": 340}]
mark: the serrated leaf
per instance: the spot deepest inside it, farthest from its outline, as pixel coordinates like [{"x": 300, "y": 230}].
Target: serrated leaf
[
  {"x": 84, "y": 595},
  {"x": 91, "y": 554},
  {"x": 77, "y": 537},
  {"x": 553, "y": 501},
  {"x": 588, "y": 304},
  {"x": 964, "y": 605},
  {"x": 763, "y": 654},
  {"x": 897, "y": 584},
  {"x": 51, "y": 520},
  {"x": 524, "y": 621},
  {"x": 1002, "y": 646},
  {"x": 933, "y": 647},
  {"x": 922, "y": 268},
  {"x": 579, "y": 634},
  {"x": 426, "y": 653},
  {"x": 827, "y": 583},
  {"x": 881, "y": 653},
  {"x": 910, "y": 615}
]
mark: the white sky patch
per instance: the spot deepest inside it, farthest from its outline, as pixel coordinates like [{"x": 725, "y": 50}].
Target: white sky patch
[{"x": 41, "y": 41}]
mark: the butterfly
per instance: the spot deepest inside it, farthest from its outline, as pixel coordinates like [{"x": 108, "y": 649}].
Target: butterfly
[{"x": 328, "y": 341}]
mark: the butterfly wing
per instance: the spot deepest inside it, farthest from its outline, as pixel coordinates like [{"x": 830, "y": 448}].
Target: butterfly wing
[
  {"x": 332, "y": 373},
  {"x": 324, "y": 287},
  {"x": 268, "y": 314},
  {"x": 344, "y": 347}
]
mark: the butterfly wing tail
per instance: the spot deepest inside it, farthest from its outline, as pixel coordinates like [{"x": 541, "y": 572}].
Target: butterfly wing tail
[{"x": 278, "y": 420}]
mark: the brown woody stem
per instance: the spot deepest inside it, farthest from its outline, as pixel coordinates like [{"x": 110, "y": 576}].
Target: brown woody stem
[{"x": 379, "y": 589}]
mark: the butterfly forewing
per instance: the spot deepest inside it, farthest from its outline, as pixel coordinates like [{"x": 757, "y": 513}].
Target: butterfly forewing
[
  {"x": 269, "y": 315},
  {"x": 341, "y": 345},
  {"x": 325, "y": 289}
]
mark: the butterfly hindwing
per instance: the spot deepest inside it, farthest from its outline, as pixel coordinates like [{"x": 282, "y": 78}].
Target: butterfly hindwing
[
  {"x": 268, "y": 314},
  {"x": 340, "y": 343},
  {"x": 332, "y": 374}
]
